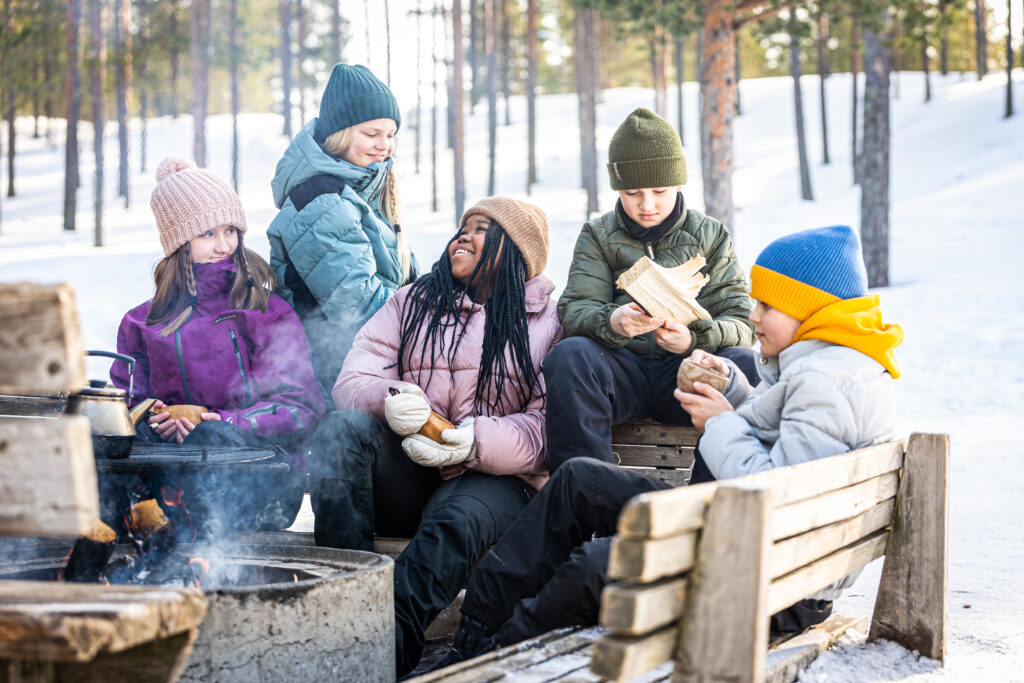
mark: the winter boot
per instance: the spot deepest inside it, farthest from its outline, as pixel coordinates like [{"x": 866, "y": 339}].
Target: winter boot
[{"x": 471, "y": 640}]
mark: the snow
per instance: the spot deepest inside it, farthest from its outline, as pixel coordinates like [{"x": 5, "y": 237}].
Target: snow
[{"x": 957, "y": 233}]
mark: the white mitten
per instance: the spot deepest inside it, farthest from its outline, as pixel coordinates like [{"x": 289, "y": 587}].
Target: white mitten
[
  {"x": 407, "y": 410},
  {"x": 459, "y": 445}
]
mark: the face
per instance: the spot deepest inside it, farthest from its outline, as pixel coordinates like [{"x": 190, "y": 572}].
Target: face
[
  {"x": 214, "y": 245},
  {"x": 649, "y": 206},
  {"x": 371, "y": 141},
  {"x": 774, "y": 329},
  {"x": 465, "y": 251}
]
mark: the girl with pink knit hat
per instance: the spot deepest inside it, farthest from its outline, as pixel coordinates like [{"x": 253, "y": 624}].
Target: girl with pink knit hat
[{"x": 214, "y": 335}]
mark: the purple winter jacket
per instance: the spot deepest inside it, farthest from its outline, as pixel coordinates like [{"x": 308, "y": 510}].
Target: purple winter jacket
[
  {"x": 506, "y": 443},
  {"x": 252, "y": 368}
]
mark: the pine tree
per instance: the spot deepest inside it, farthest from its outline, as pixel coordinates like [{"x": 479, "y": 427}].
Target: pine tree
[
  {"x": 200, "y": 56},
  {"x": 874, "y": 202},
  {"x": 74, "y": 111},
  {"x": 806, "y": 193}
]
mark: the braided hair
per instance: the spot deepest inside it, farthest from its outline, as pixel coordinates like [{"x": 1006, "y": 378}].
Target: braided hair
[{"x": 432, "y": 321}]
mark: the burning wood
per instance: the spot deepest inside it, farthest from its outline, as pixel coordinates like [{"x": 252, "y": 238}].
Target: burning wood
[
  {"x": 146, "y": 518},
  {"x": 90, "y": 554}
]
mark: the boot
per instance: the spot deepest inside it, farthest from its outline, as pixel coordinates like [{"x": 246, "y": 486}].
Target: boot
[{"x": 471, "y": 640}]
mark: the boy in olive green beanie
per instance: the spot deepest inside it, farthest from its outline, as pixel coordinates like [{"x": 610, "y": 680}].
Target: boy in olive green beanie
[{"x": 617, "y": 363}]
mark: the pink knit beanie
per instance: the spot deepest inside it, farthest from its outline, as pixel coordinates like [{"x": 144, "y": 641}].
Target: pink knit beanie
[{"x": 187, "y": 201}]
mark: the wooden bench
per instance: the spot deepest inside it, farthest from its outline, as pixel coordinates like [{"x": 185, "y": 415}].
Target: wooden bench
[{"x": 701, "y": 568}]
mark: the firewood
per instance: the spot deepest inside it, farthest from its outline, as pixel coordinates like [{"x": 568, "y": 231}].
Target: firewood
[
  {"x": 434, "y": 426},
  {"x": 669, "y": 293},
  {"x": 147, "y": 518},
  {"x": 90, "y": 554},
  {"x": 192, "y": 413},
  {"x": 690, "y": 372}
]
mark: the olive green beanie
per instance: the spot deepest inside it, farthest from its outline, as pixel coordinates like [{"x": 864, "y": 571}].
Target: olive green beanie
[{"x": 645, "y": 152}]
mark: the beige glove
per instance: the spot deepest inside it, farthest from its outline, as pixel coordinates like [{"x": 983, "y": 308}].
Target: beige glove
[
  {"x": 459, "y": 446},
  {"x": 407, "y": 410}
]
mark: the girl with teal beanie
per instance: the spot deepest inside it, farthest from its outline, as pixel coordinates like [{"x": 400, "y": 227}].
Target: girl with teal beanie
[{"x": 336, "y": 246}]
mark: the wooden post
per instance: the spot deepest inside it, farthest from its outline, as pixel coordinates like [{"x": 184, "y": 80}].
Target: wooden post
[
  {"x": 723, "y": 633},
  {"x": 911, "y": 605},
  {"x": 40, "y": 340}
]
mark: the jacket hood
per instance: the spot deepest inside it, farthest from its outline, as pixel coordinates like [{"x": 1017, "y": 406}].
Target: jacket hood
[{"x": 306, "y": 158}]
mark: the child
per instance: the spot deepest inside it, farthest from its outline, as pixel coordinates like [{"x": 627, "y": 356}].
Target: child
[
  {"x": 215, "y": 335},
  {"x": 617, "y": 363},
  {"x": 826, "y": 369},
  {"x": 336, "y": 246},
  {"x": 466, "y": 340}
]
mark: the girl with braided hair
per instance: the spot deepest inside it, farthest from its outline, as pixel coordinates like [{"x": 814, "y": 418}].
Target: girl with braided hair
[
  {"x": 465, "y": 341},
  {"x": 337, "y": 246},
  {"x": 215, "y": 335}
]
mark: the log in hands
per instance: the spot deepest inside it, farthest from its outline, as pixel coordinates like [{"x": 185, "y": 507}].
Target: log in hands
[
  {"x": 706, "y": 402},
  {"x": 171, "y": 430}
]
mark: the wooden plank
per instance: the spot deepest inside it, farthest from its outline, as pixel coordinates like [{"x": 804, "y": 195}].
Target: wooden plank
[
  {"x": 791, "y": 554},
  {"x": 635, "y": 609},
  {"x": 47, "y": 477},
  {"x": 392, "y": 547},
  {"x": 669, "y": 512},
  {"x": 41, "y": 348},
  {"x": 911, "y": 605},
  {"x": 647, "y": 560},
  {"x": 786, "y": 590},
  {"x": 620, "y": 658},
  {"x": 73, "y": 622},
  {"x": 723, "y": 635},
  {"x": 654, "y": 456},
  {"x": 670, "y": 477},
  {"x": 787, "y": 662},
  {"x": 651, "y": 433},
  {"x": 827, "y": 508}
]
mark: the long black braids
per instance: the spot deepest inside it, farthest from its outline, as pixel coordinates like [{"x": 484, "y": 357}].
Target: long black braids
[{"x": 432, "y": 318}]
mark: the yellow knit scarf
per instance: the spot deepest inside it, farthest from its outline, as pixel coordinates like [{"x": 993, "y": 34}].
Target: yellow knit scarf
[{"x": 857, "y": 324}]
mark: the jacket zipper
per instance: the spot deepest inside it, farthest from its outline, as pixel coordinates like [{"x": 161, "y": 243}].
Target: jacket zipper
[
  {"x": 181, "y": 364},
  {"x": 241, "y": 369}
]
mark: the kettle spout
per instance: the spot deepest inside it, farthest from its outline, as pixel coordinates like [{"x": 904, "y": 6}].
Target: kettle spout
[{"x": 139, "y": 412}]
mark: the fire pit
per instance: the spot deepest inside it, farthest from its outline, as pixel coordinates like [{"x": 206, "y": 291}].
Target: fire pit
[{"x": 278, "y": 613}]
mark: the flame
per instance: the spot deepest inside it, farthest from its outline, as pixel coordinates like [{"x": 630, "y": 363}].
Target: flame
[
  {"x": 64, "y": 564},
  {"x": 204, "y": 566},
  {"x": 172, "y": 496}
]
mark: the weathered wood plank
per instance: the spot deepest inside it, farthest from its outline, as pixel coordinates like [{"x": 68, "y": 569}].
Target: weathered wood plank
[
  {"x": 636, "y": 609},
  {"x": 797, "y": 585},
  {"x": 654, "y": 456},
  {"x": 787, "y": 662},
  {"x": 723, "y": 634},
  {"x": 647, "y": 560},
  {"x": 40, "y": 340},
  {"x": 670, "y": 477},
  {"x": 827, "y": 508},
  {"x": 791, "y": 554},
  {"x": 651, "y": 433},
  {"x": 47, "y": 477},
  {"x": 620, "y": 658},
  {"x": 911, "y": 605},
  {"x": 70, "y": 622}
]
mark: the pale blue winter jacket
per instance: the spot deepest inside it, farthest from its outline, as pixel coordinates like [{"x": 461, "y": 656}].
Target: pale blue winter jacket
[{"x": 336, "y": 259}]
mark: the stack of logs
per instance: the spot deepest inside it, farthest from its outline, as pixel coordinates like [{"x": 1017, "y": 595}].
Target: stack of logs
[{"x": 69, "y": 631}]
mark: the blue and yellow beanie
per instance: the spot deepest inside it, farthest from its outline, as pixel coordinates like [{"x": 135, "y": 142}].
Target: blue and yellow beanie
[{"x": 353, "y": 95}]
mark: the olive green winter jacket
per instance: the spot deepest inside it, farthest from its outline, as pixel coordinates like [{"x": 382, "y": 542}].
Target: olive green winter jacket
[{"x": 605, "y": 249}]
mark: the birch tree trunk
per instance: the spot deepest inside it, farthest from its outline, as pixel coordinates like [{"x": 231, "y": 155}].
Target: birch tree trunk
[
  {"x": 200, "y": 77},
  {"x": 74, "y": 111},
  {"x": 531, "y": 94},
  {"x": 718, "y": 98},
  {"x": 97, "y": 65},
  {"x": 122, "y": 24},
  {"x": 874, "y": 202},
  {"x": 806, "y": 193}
]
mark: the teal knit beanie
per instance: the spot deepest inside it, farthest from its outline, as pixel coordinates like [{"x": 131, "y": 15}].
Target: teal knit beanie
[
  {"x": 353, "y": 95},
  {"x": 645, "y": 151}
]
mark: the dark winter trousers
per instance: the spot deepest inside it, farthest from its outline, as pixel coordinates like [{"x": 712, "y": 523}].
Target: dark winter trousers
[
  {"x": 361, "y": 482},
  {"x": 591, "y": 387},
  {"x": 548, "y": 570}
]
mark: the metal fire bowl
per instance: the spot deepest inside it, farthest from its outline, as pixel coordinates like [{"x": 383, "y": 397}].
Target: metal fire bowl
[{"x": 149, "y": 458}]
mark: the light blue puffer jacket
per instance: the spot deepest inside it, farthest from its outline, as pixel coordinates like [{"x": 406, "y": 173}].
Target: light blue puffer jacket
[{"x": 339, "y": 245}]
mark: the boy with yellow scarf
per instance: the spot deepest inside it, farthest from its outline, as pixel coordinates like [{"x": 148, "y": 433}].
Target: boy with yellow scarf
[{"x": 826, "y": 367}]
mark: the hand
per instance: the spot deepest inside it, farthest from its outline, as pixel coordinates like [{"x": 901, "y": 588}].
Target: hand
[
  {"x": 704, "y": 405},
  {"x": 629, "y": 320},
  {"x": 185, "y": 426},
  {"x": 708, "y": 360},
  {"x": 459, "y": 445},
  {"x": 674, "y": 337},
  {"x": 164, "y": 428},
  {"x": 407, "y": 411}
]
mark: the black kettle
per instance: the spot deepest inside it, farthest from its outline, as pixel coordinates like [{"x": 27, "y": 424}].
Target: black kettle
[{"x": 113, "y": 432}]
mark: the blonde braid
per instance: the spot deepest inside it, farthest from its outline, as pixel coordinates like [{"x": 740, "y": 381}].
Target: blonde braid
[{"x": 392, "y": 210}]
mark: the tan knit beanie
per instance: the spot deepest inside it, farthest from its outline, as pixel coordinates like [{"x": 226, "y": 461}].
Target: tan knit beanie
[
  {"x": 187, "y": 201},
  {"x": 524, "y": 223}
]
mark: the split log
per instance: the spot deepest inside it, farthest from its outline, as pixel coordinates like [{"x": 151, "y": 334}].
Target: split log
[{"x": 41, "y": 350}]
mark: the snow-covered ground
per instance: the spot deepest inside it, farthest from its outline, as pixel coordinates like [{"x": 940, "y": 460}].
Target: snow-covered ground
[{"x": 957, "y": 236}]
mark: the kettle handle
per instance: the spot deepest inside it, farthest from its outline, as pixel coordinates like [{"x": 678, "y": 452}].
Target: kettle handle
[{"x": 119, "y": 356}]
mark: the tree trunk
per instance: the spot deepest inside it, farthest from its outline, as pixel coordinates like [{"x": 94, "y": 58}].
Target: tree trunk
[
  {"x": 506, "y": 58},
  {"x": 74, "y": 112},
  {"x": 531, "y": 94},
  {"x": 657, "y": 44},
  {"x": 980, "y": 39},
  {"x": 457, "y": 64},
  {"x": 874, "y": 202},
  {"x": 49, "y": 98},
  {"x": 37, "y": 110},
  {"x": 944, "y": 40},
  {"x": 824, "y": 71},
  {"x": 438, "y": 14},
  {"x": 680, "y": 42},
  {"x": 926, "y": 65},
  {"x": 366, "y": 27},
  {"x": 143, "y": 88},
  {"x": 585, "y": 42},
  {"x": 97, "y": 58},
  {"x": 335, "y": 55},
  {"x": 300, "y": 60},
  {"x": 175, "y": 58},
  {"x": 387, "y": 39},
  {"x": 1009, "y": 59},
  {"x": 122, "y": 29},
  {"x": 11, "y": 111},
  {"x": 234, "y": 59},
  {"x": 473, "y": 57},
  {"x": 450, "y": 69},
  {"x": 718, "y": 107},
  {"x": 490, "y": 39},
  {"x": 419, "y": 83},
  {"x": 737, "y": 65},
  {"x": 285, "y": 10},
  {"x": 200, "y": 77},
  {"x": 796, "y": 69},
  {"x": 854, "y": 62}
]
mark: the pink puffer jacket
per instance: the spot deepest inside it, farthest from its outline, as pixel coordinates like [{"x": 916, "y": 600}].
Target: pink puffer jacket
[{"x": 511, "y": 443}]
